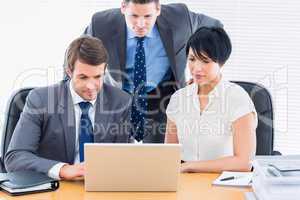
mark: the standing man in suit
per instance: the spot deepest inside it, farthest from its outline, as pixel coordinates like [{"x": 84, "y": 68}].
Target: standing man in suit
[
  {"x": 57, "y": 120},
  {"x": 145, "y": 41}
]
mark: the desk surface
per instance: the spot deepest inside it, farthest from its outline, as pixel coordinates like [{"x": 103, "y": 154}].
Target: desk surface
[{"x": 191, "y": 186}]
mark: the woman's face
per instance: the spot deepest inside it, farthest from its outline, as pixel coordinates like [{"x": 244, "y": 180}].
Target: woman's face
[{"x": 202, "y": 71}]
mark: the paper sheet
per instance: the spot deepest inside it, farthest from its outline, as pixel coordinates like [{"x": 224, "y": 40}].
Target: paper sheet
[{"x": 241, "y": 179}]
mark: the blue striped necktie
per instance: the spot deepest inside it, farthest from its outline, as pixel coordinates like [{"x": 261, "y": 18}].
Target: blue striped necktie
[
  {"x": 139, "y": 106},
  {"x": 86, "y": 128}
]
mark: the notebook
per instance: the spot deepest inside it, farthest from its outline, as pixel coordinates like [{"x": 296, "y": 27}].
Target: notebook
[
  {"x": 229, "y": 178},
  {"x": 26, "y": 182}
]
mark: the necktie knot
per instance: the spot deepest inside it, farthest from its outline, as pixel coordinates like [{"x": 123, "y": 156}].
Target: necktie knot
[
  {"x": 140, "y": 40},
  {"x": 85, "y": 106}
]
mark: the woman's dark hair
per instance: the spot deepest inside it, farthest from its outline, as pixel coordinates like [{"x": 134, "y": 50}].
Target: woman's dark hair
[{"x": 210, "y": 42}]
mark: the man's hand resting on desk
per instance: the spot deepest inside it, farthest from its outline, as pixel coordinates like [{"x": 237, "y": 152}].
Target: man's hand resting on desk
[{"x": 72, "y": 172}]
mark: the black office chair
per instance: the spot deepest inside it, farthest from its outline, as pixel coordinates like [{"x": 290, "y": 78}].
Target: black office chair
[
  {"x": 13, "y": 110},
  {"x": 263, "y": 104}
]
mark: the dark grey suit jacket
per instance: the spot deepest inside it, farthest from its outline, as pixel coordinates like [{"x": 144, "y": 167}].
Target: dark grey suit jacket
[
  {"x": 175, "y": 24},
  {"x": 45, "y": 133}
]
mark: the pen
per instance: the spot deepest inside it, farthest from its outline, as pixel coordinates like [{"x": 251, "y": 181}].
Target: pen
[{"x": 228, "y": 178}]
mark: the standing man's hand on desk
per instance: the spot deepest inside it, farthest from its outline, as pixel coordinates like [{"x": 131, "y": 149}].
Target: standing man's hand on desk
[{"x": 72, "y": 172}]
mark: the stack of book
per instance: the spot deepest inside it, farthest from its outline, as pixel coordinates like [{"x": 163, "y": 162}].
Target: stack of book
[{"x": 276, "y": 179}]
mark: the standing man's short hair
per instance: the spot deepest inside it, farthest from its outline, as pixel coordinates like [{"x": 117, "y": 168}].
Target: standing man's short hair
[
  {"x": 88, "y": 50},
  {"x": 141, "y": 1}
]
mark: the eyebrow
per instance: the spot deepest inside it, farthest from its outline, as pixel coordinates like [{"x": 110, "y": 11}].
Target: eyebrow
[
  {"x": 147, "y": 15},
  {"x": 99, "y": 75}
]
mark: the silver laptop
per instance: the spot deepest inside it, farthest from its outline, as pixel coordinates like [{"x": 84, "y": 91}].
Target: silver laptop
[{"x": 131, "y": 167}]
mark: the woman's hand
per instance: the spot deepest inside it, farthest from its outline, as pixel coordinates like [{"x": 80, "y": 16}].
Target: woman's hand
[{"x": 185, "y": 167}]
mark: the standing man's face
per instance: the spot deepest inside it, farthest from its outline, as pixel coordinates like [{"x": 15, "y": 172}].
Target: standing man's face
[
  {"x": 140, "y": 18},
  {"x": 87, "y": 79}
]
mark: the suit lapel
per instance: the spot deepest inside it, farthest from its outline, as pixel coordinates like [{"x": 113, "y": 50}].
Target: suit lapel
[
  {"x": 100, "y": 117},
  {"x": 67, "y": 115},
  {"x": 166, "y": 36},
  {"x": 120, "y": 42}
]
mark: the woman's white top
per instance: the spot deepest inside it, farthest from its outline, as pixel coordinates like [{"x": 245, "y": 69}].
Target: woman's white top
[{"x": 208, "y": 135}]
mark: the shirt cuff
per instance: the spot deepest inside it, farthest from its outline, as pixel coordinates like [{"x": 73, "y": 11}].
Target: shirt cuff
[{"x": 54, "y": 171}]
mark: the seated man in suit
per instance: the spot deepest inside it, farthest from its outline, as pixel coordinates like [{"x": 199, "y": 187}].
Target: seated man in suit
[{"x": 57, "y": 120}]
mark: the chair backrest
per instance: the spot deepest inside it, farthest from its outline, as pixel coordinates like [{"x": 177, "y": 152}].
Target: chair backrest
[
  {"x": 14, "y": 108},
  {"x": 263, "y": 104}
]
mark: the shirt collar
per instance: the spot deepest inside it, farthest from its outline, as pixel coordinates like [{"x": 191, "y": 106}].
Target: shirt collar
[
  {"x": 152, "y": 34},
  {"x": 216, "y": 91},
  {"x": 76, "y": 98}
]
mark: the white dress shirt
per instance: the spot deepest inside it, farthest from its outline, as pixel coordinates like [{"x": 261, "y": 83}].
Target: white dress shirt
[
  {"x": 54, "y": 171},
  {"x": 208, "y": 135}
]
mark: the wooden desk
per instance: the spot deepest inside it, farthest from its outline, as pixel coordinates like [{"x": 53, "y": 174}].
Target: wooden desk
[{"x": 191, "y": 186}]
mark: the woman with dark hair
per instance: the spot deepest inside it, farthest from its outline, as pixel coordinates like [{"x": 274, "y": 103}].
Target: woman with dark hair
[{"x": 214, "y": 119}]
